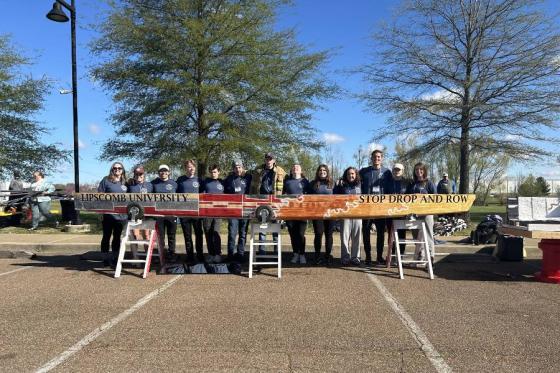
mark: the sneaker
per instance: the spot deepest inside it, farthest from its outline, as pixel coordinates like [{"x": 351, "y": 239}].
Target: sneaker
[
  {"x": 218, "y": 258},
  {"x": 319, "y": 260},
  {"x": 329, "y": 260},
  {"x": 356, "y": 261},
  {"x": 295, "y": 259},
  {"x": 261, "y": 252},
  {"x": 32, "y": 229},
  {"x": 345, "y": 261},
  {"x": 368, "y": 261},
  {"x": 381, "y": 261},
  {"x": 302, "y": 259}
]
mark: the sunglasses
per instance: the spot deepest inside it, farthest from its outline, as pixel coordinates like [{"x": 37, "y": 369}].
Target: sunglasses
[
  {"x": 163, "y": 171},
  {"x": 117, "y": 168}
]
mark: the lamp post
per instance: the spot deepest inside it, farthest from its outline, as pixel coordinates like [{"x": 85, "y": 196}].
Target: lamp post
[{"x": 57, "y": 14}]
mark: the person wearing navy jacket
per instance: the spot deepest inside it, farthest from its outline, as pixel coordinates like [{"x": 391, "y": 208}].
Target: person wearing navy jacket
[
  {"x": 322, "y": 184},
  {"x": 423, "y": 185},
  {"x": 168, "y": 224},
  {"x": 190, "y": 183},
  {"x": 237, "y": 182},
  {"x": 112, "y": 224},
  {"x": 374, "y": 181},
  {"x": 296, "y": 183},
  {"x": 398, "y": 185},
  {"x": 351, "y": 229},
  {"x": 211, "y": 226}
]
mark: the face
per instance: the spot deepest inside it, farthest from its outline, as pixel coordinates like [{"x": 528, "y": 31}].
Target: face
[
  {"x": 397, "y": 172},
  {"x": 215, "y": 174},
  {"x": 238, "y": 170},
  {"x": 117, "y": 169},
  {"x": 296, "y": 170},
  {"x": 351, "y": 175},
  {"x": 36, "y": 176},
  {"x": 322, "y": 173},
  {"x": 376, "y": 159},
  {"x": 419, "y": 172},
  {"x": 269, "y": 162},
  {"x": 163, "y": 174},
  {"x": 191, "y": 169},
  {"x": 139, "y": 178}
]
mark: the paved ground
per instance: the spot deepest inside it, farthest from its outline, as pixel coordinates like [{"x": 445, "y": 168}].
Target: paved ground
[{"x": 62, "y": 310}]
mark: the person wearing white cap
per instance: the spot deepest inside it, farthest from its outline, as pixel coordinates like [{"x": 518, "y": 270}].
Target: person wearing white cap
[
  {"x": 398, "y": 185},
  {"x": 445, "y": 186},
  {"x": 237, "y": 182},
  {"x": 168, "y": 224}
]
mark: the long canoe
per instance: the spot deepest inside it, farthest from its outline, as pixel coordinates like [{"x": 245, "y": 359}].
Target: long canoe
[{"x": 287, "y": 207}]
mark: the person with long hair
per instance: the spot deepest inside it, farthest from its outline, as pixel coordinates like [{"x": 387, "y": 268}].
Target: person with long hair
[
  {"x": 138, "y": 184},
  {"x": 322, "y": 184},
  {"x": 423, "y": 185},
  {"x": 40, "y": 204},
  {"x": 296, "y": 183},
  {"x": 166, "y": 225},
  {"x": 351, "y": 229},
  {"x": 114, "y": 182}
]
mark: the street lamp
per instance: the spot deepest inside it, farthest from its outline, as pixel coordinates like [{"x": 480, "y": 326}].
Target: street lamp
[{"x": 57, "y": 14}]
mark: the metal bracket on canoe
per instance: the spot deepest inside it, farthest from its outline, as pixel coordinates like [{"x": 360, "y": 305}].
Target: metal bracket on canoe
[
  {"x": 134, "y": 211},
  {"x": 264, "y": 214}
]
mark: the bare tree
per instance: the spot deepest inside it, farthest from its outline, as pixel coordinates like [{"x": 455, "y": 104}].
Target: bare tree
[
  {"x": 360, "y": 157},
  {"x": 488, "y": 168},
  {"x": 469, "y": 71}
]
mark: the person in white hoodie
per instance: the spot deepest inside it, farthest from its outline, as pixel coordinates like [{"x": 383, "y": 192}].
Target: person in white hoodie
[{"x": 40, "y": 203}]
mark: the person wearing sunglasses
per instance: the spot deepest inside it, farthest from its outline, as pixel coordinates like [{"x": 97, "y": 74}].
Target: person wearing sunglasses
[
  {"x": 322, "y": 184},
  {"x": 167, "y": 224},
  {"x": 112, "y": 224}
]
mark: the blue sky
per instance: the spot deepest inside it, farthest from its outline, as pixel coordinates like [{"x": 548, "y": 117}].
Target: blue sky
[{"x": 343, "y": 27}]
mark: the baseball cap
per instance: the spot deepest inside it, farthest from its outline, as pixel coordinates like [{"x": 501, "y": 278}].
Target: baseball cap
[
  {"x": 445, "y": 174},
  {"x": 237, "y": 162},
  {"x": 269, "y": 155},
  {"x": 399, "y": 166},
  {"x": 163, "y": 167}
]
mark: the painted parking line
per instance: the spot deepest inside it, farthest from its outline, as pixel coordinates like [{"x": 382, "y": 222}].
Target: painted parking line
[
  {"x": 419, "y": 336},
  {"x": 15, "y": 270},
  {"x": 84, "y": 342}
]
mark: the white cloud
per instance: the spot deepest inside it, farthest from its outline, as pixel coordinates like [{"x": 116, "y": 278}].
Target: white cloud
[
  {"x": 94, "y": 129},
  {"x": 510, "y": 137},
  {"x": 332, "y": 138},
  {"x": 439, "y": 96},
  {"x": 81, "y": 144}
]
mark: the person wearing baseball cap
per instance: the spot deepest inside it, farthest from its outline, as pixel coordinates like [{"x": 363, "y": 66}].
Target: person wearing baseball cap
[
  {"x": 397, "y": 185},
  {"x": 267, "y": 179},
  {"x": 445, "y": 186},
  {"x": 168, "y": 224},
  {"x": 138, "y": 183},
  {"x": 237, "y": 182}
]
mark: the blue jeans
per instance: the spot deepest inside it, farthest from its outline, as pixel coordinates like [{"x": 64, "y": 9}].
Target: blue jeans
[
  {"x": 237, "y": 227},
  {"x": 41, "y": 211}
]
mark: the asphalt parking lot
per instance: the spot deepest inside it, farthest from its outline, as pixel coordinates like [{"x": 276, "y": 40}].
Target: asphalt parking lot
[{"x": 63, "y": 311}]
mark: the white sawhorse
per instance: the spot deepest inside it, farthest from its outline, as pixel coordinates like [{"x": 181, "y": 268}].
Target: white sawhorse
[
  {"x": 265, "y": 228},
  {"x": 151, "y": 242},
  {"x": 422, "y": 240}
]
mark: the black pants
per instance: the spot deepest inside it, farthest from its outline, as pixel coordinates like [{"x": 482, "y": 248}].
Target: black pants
[
  {"x": 297, "y": 228},
  {"x": 188, "y": 226},
  {"x": 114, "y": 227},
  {"x": 380, "y": 227},
  {"x": 212, "y": 233},
  {"x": 325, "y": 227},
  {"x": 167, "y": 225}
]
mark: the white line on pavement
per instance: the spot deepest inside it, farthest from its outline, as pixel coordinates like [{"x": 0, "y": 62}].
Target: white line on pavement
[
  {"x": 15, "y": 270},
  {"x": 105, "y": 327},
  {"x": 421, "y": 339}
]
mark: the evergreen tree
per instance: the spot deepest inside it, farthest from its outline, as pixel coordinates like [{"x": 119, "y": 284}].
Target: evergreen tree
[{"x": 207, "y": 80}]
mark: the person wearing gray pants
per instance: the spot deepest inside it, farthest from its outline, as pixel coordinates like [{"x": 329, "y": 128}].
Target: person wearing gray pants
[{"x": 351, "y": 229}]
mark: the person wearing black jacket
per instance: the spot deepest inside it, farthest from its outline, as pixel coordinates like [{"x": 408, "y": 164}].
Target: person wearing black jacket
[
  {"x": 237, "y": 182},
  {"x": 190, "y": 183},
  {"x": 374, "y": 181},
  {"x": 351, "y": 229},
  {"x": 211, "y": 226},
  {"x": 296, "y": 183},
  {"x": 398, "y": 185}
]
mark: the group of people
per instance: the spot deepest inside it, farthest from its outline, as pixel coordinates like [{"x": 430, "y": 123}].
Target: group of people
[{"x": 269, "y": 178}]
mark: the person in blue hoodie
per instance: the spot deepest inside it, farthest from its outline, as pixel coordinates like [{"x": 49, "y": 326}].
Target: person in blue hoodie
[
  {"x": 296, "y": 183},
  {"x": 237, "y": 182},
  {"x": 351, "y": 229},
  {"x": 166, "y": 225},
  {"x": 190, "y": 183},
  {"x": 322, "y": 184},
  {"x": 211, "y": 226},
  {"x": 374, "y": 181},
  {"x": 112, "y": 224}
]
